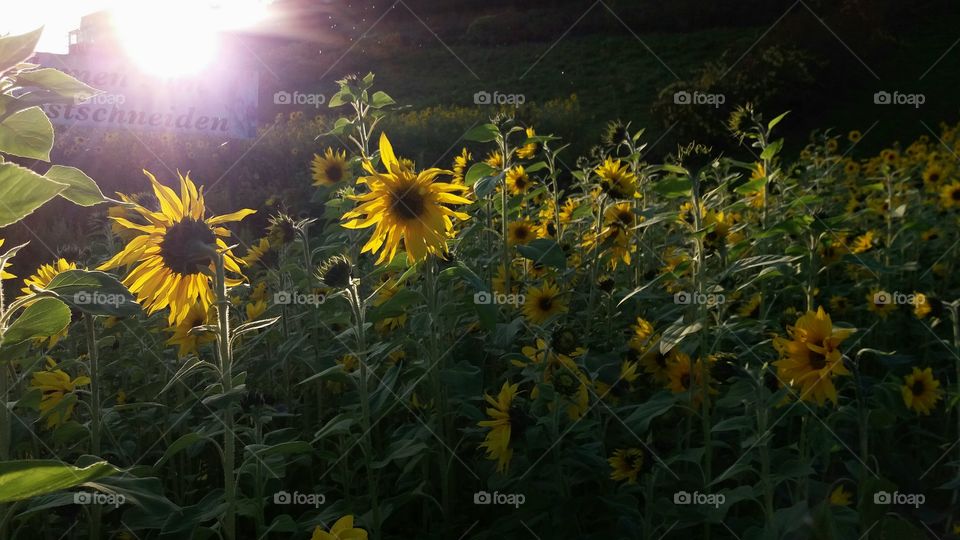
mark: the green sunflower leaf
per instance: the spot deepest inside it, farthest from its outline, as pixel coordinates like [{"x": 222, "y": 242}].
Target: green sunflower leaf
[
  {"x": 22, "y": 191},
  {"x": 27, "y": 133},
  {"x": 17, "y": 49},
  {"x": 81, "y": 188},
  {"x": 24, "y": 479},
  {"x": 94, "y": 292},
  {"x": 44, "y": 318}
]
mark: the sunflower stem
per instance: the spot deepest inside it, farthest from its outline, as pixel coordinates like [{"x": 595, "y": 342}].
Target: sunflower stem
[
  {"x": 4, "y": 431},
  {"x": 762, "y": 422},
  {"x": 703, "y": 362},
  {"x": 226, "y": 383},
  {"x": 359, "y": 309},
  {"x": 954, "y": 309},
  {"x": 90, "y": 330}
]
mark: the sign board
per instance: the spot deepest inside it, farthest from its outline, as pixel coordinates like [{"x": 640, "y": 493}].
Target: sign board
[{"x": 218, "y": 102}]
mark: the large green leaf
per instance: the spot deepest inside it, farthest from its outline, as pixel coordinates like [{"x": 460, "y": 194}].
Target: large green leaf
[
  {"x": 27, "y": 133},
  {"x": 94, "y": 292},
  {"x": 82, "y": 189},
  {"x": 56, "y": 84},
  {"x": 22, "y": 191},
  {"x": 17, "y": 49},
  {"x": 21, "y": 480},
  {"x": 544, "y": 251},
  {"x": 44, "y": 318}
]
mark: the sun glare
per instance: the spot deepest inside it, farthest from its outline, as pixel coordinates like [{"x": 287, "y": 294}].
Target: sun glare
[{"x": 180, "y": 37}]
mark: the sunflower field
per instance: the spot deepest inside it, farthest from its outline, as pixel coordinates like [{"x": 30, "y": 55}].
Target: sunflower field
[{"x": 520, "y": 343}]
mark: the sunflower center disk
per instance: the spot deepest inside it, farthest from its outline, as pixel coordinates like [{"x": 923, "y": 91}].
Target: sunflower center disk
[
  {"x": 407, "y": 203},
  {"x": 817, "y": 360},
  {"x": 334, "y": 173},
  {"x": 918, "y": 388},
  {"x": 185, "y": 246}
]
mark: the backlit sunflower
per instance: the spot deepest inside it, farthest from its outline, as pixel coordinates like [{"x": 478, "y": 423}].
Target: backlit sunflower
[
  {"x": 527, "y": 151},
  {"x": 3, "y": 273},
  {"x": 55, "y": 384},
  {"x": 921, "y": 391},
  {"x": 494, "y": 159},
  {"x": 642, "y": 334},
  {"x": 627, "y": 464},
  {"x": 256, "y": 252},
  {"x": 520, "y": 233},
  {"x": 330, "y": 168},
  {"x": 811, "y": 357},
  {"x": 518, "y": 181},
  {"x": 506, "y": 425},
  {"x": 406, "y": 207},
  {"x": 460, "y": 166},
  {"x": 45, "y": 274},
  {"x": 864, "y": 242},
  {"x": 343, "y": 529},
  {"x": 616, "y": 180},
  {"x": 543, "y": 302},
  {"x": 950, "y": 195},
  {"x": 188, "y": 342},
  {"x": 167, "y": 256}
]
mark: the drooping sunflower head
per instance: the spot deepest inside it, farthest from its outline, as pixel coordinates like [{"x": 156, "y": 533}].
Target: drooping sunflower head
[
  {"x": 921, "y": 391},
  {"x": 171, "y": 256},
  {"x": 55, "y": 384},
  {"x": 282, "y": 230},
  {"x": 336, "y": 271},
  {"x": 543, "y": 302},
  {"x": 615, "y": 134},
  {"x": 330, "y": 168},
  {"x": 405, "y": 207}
]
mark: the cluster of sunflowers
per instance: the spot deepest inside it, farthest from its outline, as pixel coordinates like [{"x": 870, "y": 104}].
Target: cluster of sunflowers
[{"x": 617, "y": 333}]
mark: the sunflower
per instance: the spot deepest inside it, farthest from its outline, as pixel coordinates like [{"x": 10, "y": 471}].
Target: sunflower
[
  {"x": 543, "y": 302},
  {"x": 460, "y": 166},
  {"x": 281, "y": 231},
  {"x": 751, "y": 307},
  {"x": 683, "y": 374},
  {"x": 518, "y": 181},
  {"x": 567, "y": 209},
  {"x": 169, "y": 255},
  {"x": 507, "y": 424},
  {"x": 840, "y": 496},
  {"x": 529, "y": 150},
  {"x": 3, "y": 273},
  {"x": 520, "y": 233},
  {"x": 349, "y": 363},
  {"x": 642, "y": 332},
  {"x": 256, "y": 252},
  {"x": 864, "y": 242},
  {"x": 330, "y": 168},
  {"x": 405, "y": 206},
  {"x": 839, "y": 304},
  {"x": 343, "y": 529},
  {"x": 494, "y": 159},
  {"x": 854, "y": 136},
  {"x": 811, "y": 357},
  {"x": 255, "y": 309},
  {"x": 880, "y": 303},
  {"x": 950, "y": 195},
  {"x": 627, "y": 464},
  {"x": 921, "y": 391},
  {"x": 499, "y": 281},
  {"x": 188, "y": 342},
  {"x": 55, "y": 384},
  {"x": 719, "y": 227},
  {"x": 922, "y": 305},
  {"x": 620, "y": 215},
  {"x": 45, "y": 274},
  {"x": 616, "y": 180},
  {"x": 259, "y": 291},
  {"x": 932, "y": 175}
]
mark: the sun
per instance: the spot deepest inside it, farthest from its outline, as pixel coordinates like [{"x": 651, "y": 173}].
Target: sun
[{"x": 180, "y": 37}]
